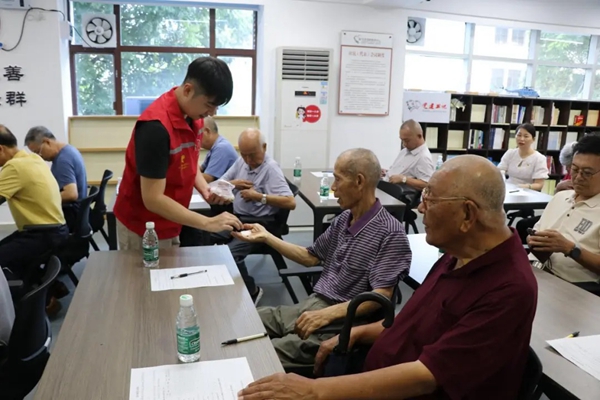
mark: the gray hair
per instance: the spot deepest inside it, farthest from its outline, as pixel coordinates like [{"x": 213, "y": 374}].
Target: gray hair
[
  {"x": 211, "y": 124},
  {"x": 255, "y": 134},
  {"x": 362, "y": 161},
  {"x": 566, "y": 154},
  {"x": 37, "y": 134}
]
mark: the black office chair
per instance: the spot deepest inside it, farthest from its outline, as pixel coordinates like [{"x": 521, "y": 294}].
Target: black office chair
[
  {"x": 77, "y": 245},
  {"x": 98, "y": 212},
  {"x": 530, "y": 387},
  {"x": 525, "y": 214},
  {"x": 277, "y": 225},
  {"x": 30, "y": 338},
  {"x": 409, "y": 196}
]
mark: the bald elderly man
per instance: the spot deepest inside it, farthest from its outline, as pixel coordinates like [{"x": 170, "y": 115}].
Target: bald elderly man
[
  {"x": 365, "y": 249},
  {"x": 260, "y": 191},
  {"x": 413, "y": 166},
  {"x": 464, "y": 334}
]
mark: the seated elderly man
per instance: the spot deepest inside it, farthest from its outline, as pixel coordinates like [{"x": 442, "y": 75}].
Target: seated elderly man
[
  {"x": 68, "y": 169},
  {"x": 464, "y": 334},
  {"x": 31, "y": 191},
  {"x": 260, "y": 191},
  {"x": 567, "y": 237},
  {"x": 364, "y": 249}
]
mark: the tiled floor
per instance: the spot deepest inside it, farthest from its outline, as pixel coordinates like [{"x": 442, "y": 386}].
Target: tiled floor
[{"x": 261, "y": 267}]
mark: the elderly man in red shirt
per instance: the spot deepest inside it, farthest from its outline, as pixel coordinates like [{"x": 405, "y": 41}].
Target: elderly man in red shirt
[{"x": 465, "y": 332}]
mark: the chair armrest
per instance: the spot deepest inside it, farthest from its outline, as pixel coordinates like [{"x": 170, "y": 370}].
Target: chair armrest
[
  {"x": 309, "y": 271},
  {"x": 15, "y": 283},
  {"x": 41, "y": 227}
]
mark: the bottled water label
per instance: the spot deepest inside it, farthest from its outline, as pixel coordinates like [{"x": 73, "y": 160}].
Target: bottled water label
[
  {"x": 188, "y": 340},
  {"x": 150, "y": 254},
  {"x": 324, "y": 191},
  {"x": 297, "y": 173}
]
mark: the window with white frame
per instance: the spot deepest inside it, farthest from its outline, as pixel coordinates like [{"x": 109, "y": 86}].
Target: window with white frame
[{"x": 480, "y": 58}]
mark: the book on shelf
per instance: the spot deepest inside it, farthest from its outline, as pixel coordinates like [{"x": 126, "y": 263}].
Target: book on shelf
[
  {"x": 578, "y": 120},
  {"x": 431, "y": 137},
  {"x": 475, "y": 139},
  {"x": 455, "y": 139},
  {"x": 554, "y": 116},
  {"x": 497, "y": 138},
  {"x": 518, "y": 114},
  {"x": 554, "y": 139},
  {"x": 573, "y": 114},
  {"x": 478, "y": 113},
  {"x": 572, "y": 137},
  {"x": 498, "y": 114},
  {"x": 592, "y": 118},
  {"x": 537, "y": 115}
]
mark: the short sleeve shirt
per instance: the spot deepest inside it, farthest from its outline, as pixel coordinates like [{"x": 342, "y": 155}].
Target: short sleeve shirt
[
  {"x": 373, "y": 253},
  {"x": 523, "y": 171},
  {"x": 68, "y": 167},
  {"x": 416, "y": 163},
  {"x": 268, "y": 179},
  {"x": 219, "y": 158},
  {"x": 469, "y": 326},
  {"x": 578, "y": 222}
]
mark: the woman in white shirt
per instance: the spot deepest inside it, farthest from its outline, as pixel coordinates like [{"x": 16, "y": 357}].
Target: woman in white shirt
[{"x": 525, "y": 166}]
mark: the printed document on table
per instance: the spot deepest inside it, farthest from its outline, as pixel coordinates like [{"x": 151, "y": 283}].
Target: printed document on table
[
  {"x": 205, "y": 380},
  {"x": 320, "y": 174},
  {"x": 583, "y": 351},
  {"x": 215, "y": 275},
  {"x": 197, "y": 198}
]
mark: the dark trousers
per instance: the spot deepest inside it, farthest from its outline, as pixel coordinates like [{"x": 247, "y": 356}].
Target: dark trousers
[
  {"x": 239, "y": 250},
  {"x": 70, "y": 211},
  {"x": 20, "y": 250}
]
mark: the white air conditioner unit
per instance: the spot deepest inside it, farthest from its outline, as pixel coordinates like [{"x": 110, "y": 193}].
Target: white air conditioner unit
[
  {"x": 303, "y": 105},
  {"x": 99, "y": 30},
  {"x": 15, "y": 4}
]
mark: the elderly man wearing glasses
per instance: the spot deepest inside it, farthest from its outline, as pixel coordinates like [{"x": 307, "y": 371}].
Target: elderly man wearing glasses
[{"x": 566, "y": 240}]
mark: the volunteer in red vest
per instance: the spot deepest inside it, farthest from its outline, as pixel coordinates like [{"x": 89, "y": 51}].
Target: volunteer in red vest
[{"x": 161, "y": 162}]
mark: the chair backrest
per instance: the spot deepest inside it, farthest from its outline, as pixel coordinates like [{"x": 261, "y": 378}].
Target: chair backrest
[
  {"x": 99, "y": 210},
  {"x": 99, "y": 204},
  {"x": 83, "y": 229},
  {"x": 531, "y": 377},
  {"x": 281, "y": 217},
  {"x": 406, "y": 194},
  {"x": 31, "y": 333}
]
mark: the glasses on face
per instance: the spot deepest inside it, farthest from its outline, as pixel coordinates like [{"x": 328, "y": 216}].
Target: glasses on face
[
  {"x": 429, "y": 200},
  {"x": 39, "y": 152},
  {"x": 583, "y": 173}
]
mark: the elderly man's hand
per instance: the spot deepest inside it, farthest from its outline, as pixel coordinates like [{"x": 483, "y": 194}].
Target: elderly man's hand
[
  {"x": 280, "y": 387},
  {"x": 250, "y": 195},
  {"x": 258, "y": 233},
  {"x": 310, "y": 321},
  {"x": 550, "y": 241},
  {"x": 397, "y": 179},
  {"x": 241, "y": 184}
]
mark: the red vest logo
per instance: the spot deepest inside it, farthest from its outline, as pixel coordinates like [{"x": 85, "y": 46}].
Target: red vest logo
[{"x": 183, "y": 165}]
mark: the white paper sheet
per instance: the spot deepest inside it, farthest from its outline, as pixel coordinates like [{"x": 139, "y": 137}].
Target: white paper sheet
[
  {"x": 330, "y": 197},
  {"x": 197, "y": 198},
  {"x": 205, "y": 380},
  {"x": 215, "y": 275},
  {"x": 583, "y": 351},
  {"x": 320, "y": 174}
]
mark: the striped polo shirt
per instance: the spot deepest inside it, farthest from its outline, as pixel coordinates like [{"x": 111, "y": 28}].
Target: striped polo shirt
[{"x": 373, "y": 253}]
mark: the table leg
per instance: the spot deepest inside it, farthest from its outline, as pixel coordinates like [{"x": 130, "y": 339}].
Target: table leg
[{"x": 111, "y": 221}]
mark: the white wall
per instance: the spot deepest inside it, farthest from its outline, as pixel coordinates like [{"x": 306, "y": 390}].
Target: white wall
[{"x": 43, "y": 57}]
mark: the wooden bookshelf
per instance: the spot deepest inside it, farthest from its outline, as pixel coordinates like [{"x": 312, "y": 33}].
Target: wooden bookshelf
[{"x": 554, "y": 121}]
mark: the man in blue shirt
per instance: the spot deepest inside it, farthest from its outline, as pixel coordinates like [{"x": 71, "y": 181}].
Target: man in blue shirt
[
  {"x": 221, "y": 154},
  {"x": 68, "y": 168}
]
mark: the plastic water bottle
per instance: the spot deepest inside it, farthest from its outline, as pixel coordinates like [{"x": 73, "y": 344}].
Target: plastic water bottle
[
  {"x": 150, "y": 246},
  {"x": 440, "y": 162},
  {"x": 297, "y": 168},
  {"x": 324, "y": 189},
  {"x": 188, "y": 331}
]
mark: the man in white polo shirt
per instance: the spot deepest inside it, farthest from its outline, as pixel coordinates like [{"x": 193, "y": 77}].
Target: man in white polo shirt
[
  {"x": 567, "y": 237},
  {"x": 413, "y": 166}
]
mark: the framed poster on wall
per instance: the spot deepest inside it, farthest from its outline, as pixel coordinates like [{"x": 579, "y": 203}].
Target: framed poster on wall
[{"x": 365, "y": 73}]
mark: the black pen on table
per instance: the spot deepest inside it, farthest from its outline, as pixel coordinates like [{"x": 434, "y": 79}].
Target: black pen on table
[
  {"x": 574, "y": 334},
  {"x": 187, "y": 274},
  {"x": 513, "y": 191},
  {"x": 244, "y": 339}
]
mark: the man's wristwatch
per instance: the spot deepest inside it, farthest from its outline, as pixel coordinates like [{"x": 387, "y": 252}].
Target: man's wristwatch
[
  {"x": 404, "y": 179},
  {"x": 263, "y": 199},
  {"x": 575, "y": 253}
]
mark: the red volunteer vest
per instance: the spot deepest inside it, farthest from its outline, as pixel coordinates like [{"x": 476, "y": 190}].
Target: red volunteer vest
[{"x": 183, "y": 164}]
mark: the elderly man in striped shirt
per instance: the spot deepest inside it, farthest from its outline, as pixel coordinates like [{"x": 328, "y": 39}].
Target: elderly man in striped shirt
[{"x": 364, "y": 249}]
